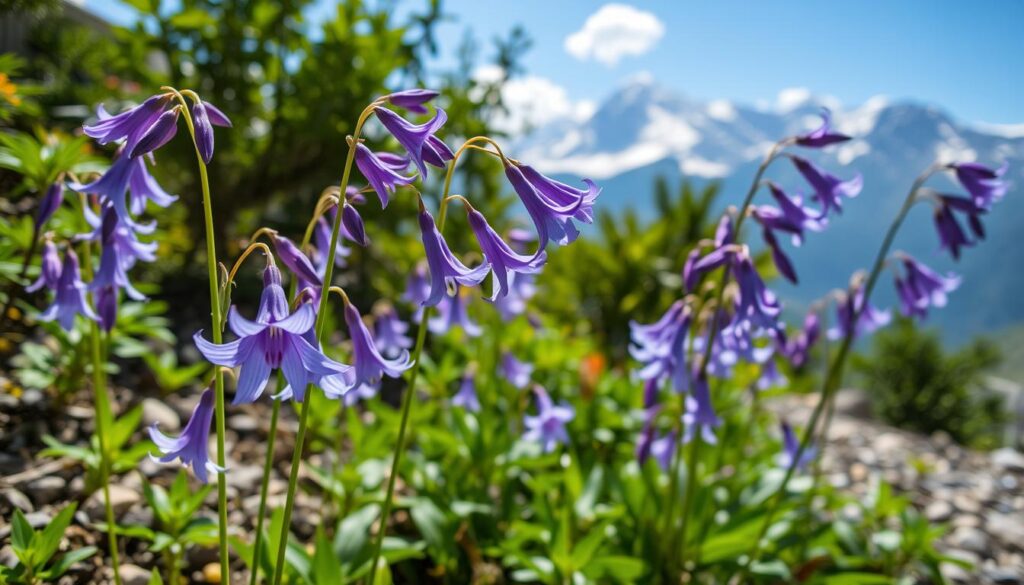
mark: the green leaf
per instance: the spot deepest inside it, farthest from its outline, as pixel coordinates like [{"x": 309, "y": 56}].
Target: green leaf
[
  {"x": 21, "y": 538},
  {"x": 886, "y": 540},
  {"x": 155, "y": 578},
  {"x": 432, "y": 524},
  {"x": 66, "y": 561},
  {"x": 123, "y": 428},
  {"x": 49, "y": 539},
  {"x": 192, "y": 18},
  {"x": 326, "y": 568},
  {"x": 584, "y": 550},
  {"x": 157, "y": 499},
  {"x": 621, "y": 568},
  {"x": 858, "y": 579},
  {"x": 776, "y": 569},
  {"x": 382, "y": 574},
  {"x": 354, "y": 532}
]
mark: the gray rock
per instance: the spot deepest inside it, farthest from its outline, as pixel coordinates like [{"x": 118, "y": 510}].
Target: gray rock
[
  {"x": 853, "y": 402},
  {"x": 155, "y": 411},
  {"x": 1007, "y": 528},
  {"x": 134, "y": 575},
  {"x": 1004, "y": 576},
  {"x": 46, "y": 489},
  {"x": 17, "y": 499},
  {"x": 32, "y": 398},
  {"x": 970, "y": 539},
  {"x": 938, "y": 511},
  {"x": 246, "y": 478},
  {"x": 243, "y": 423},
  {"x": 121, "y": 498},
  {"x": 965, "y": 502},
  {"x": 1007, "y": 459},
  {"x": 8, "y": 403}
]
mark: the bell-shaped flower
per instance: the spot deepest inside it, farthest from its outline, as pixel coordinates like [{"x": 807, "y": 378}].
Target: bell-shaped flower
[
  {"x": 204, "y": 118},
  {"x": 521, "y": 288},
  {"x": 436, "y": 152},
  {"x": 782, "y": 262},
  {"x": 501, "y": 258},
  {"x": 192, "y": 445},
  {"x": 451, "y": 313},
  {"x": 829, "y": 190},
  {"x": 515, "y": 372},
  {"x": 445, "y": 268},
  {"x": 297, "y": 262},
  {"x": 700, "y": 413},
  {"x": 552, "y": 219},
  {"x": 661, "y": 347},
  {"x": 159, "y": 134},
  {"x": 985, "y": 185},
  {"x": 951, "y": 235},
  {"x": 390, "y": 332},
  {"x": 382, "y": 177},
  {"x": 797, "y": 349},
  {"x": 70, "y": 298},
  {"x": 106, "y": 307},
  {"x": 368, "y": 364},
  {"x": 49, "y": 269},
  {"x": 790, "y": 447},
  {"x": 789, "y": 216},
  {"x": 770, "y": 376},
  {"x": 412, "y": 99},
  {"x": 547, "y": 427},
  {"x": 142, "y": 187},
  {"x": 663, "y": 449},
  {"x": 411, "y": 136},
  {"x": 129, "y": 125},
  {"x": 824, "y": 135},
  {"x": 273, "y": 341},
  {"x": 852, "y": 303},
  {"x": 560, "y": 194},
  {"x": 48, "y": 205},
  {"x": 755, "y": 303},
  {"x": 124, "y": 173},
  {"x": 466, "y": 397},
  {"x": 417, "y": 289},
  {"x": 921, "y": 287},
  {"x": 112, "y": 232},
  {"x": 113, "y": 268}
]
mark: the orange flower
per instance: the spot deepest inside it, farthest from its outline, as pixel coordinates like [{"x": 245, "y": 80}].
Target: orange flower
[{"x": 9, "y": 90}]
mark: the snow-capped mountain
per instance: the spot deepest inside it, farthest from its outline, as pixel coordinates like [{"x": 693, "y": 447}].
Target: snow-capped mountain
[{"x": 644, "y": 130}]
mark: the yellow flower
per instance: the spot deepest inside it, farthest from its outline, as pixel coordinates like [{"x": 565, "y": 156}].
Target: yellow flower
[{"x": 9, "y": 90}]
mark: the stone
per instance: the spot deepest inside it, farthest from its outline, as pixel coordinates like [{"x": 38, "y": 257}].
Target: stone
[
  {"x": 858, "y": 472},
  {"x": 46, "y": 489},
  {"x": 17, "y": 499},
  {"x": 938, "y": 511},
  {"x": 1003, "y": 576},
  {"x": 853, "y": 402},
  {"x": 1007, "y": 459},
  {"x": 157, "y": 412},
  {"x": 32, "y": 398},
  {"x": 121, "y": 498},
  {"x": 246, "y": 478},
  {"x": 133, "y": 575},
  {"x": 970, "y": 539},
  {"x": 243, "y": 423},
  {"x": 1007, "y": 528},
  {"x": 965, "y": 502}
]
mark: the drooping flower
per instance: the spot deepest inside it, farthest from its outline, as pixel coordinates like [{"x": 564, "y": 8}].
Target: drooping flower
[
  {"x": 368, "y": 364},
  {"x": 515, "y": 372},
  {"x": 466, "y": 397},
  {"x": 561, "y": 194},
  {"x": 700, "y": 413},
  {"x": 824, "y": 135},
  {"x": 661, "y": 346},
  {"x": 548, "y": 426},
  {"x": 951, "y": 234},
  {"x": 142, "y": 187},
  {"x": 451, "y": 313},
  {"x": 383, "y": 178},
  {"x": 113, "y": 268},
  {"x": 121, "y": 237},
  {"x": 70, "y": 298},
  {"x": 790, "y": 448},
  {"x": 829, "y": 190},
  {"x": 798, "y": 348},
  {"x": 124, "y": 173},
  {"x": 159, "y": 134},
  {"x": 445, "y": 268},
  {"x": 296, "y": 261},
  {"x": 871, "y": 318},
  {"x": 985, "y": 185},
  {"x": 106, "y": 307},
  {"x": 274, "y": 340},
  {"x": 922, "y": 287},
  {"x": 204, "y": 117},
  {"x": 770, "y": 376},
  {"x": 129, "y": 125},
  {"x": 663, "y": 449},
  {"x": 353, "y": 224},
  {"x": 650, "y": 396},
  {"x": 412, "y": 99},
  {"x": 49, "y": 269},
  {"x": 501, "y": 258},
  {"x": 789, "y": 216},
  {"x": 779, "y": 257},
  {"x": 390, "y": 332},
  {"x": 49, "y": 204},
  {"x": 756, "y": 304},
  {"x": 192, "y": 445},
  {"x": 411, "y": 136},
  {"x": 697, "y": 263},
  {"x": 552, "y": 218}
]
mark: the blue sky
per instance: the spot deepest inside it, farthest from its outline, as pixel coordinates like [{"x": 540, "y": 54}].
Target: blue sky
[{"x": 963, "y": 56}]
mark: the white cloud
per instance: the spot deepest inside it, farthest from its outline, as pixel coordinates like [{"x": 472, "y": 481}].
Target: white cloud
[
  {"x": 791, "y": 98},
  {"x": 533, "y": 101},
  {"x": 721, "y": 110},
  {"x": 613, "y": 32}
]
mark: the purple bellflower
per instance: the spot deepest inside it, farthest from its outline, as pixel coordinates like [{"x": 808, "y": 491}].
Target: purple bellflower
[
  {"x": 451, "y": 313},
  {"x": 552, "y": 217},
  {"x": 756, "y": 304},
  {"x": 824, "y": 135},
  {"x": 445, "y": 268},
  {"x": 297, "y": 262},
  {"x": 383, "y": 178},
  {"x": 501, "y": 258},
  {"x": 871, "y": 318},
  {"x": 700, "y": 413},
  {"x": 790, "y": 447},
  {"x": 121, "y": 237},
  {"x": 922, "y": 287},
  {"x": 51, "y": 201},
  {"x": 274, "y": 340},
  {"x": 106, "y": 307},
  {"x": 663, "y": 449},
  {"x": 159, "y": 134},
  {"x": 412, "y": 100},
  {"x": 770, "y": 376},
  {"x": 390, "y": 332},
  {"x": 514, "y": 371},
  {"x": 129, "y": 125},
  {"x": 204, "y": 117},
  {"x": 548, "y": 426},
  {"x": 368, "y": 364},
  {"x": 417, "y": 289},
  {"x": 112, "y": 272},
  {"x": 466, "y": 397},
  {"x": 192, "y": 446},
  {"x": 49, "y": 269},
  {"x": 985, "y": 185},
  {"x": 354, "y": 230},
  {"x": 128, "y": 173},
  {"x": 951, "y": 234},
  {"x": 829, "y": 190},
  {"x": 70, "y": 297},
  {"x": 412, "y": 137},
  {"x": 661, "y": 346},
  {"x": 798, "y": 348}
]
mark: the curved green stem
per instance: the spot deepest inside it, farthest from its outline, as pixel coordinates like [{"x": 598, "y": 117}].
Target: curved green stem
[
  {"x": 300, "y": 436},
  {"x": 267, "y": 466},
  {"x": 834, "y": 375}
]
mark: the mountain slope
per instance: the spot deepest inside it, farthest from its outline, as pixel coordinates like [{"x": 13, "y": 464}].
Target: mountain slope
[{"x": 643, "y": 130}]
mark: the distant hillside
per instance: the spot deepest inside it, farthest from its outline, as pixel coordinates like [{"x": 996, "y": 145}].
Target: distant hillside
[{"x": 643, "y": 131}]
